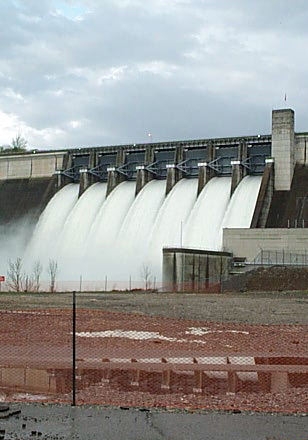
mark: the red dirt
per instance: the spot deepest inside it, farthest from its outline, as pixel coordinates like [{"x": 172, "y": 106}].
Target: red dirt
[{"x": 41, "y": 339}]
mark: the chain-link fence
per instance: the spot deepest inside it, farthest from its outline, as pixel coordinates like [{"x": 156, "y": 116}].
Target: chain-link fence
[
  {"x": 83, "y": 285},
  {"x": 110, "y": 285},
  {"x": 96, "y": 355},
  {"x": 269, "y": 258}
]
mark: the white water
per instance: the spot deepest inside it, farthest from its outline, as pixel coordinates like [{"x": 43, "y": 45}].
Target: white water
[
  {"x": 72, "y": 240},
  {"x": 42, "y": 246},
  {"x": 241, "y": 207},
  {"x": 136, "y": 228},
  {"x": 97, "y": 236},
  {"x": 203, "y": 228},
  {"x": 171, "y": 218},
  {"x": 100, "y": 252}
]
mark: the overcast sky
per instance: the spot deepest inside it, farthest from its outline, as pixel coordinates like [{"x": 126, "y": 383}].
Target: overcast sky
[{"x": 99, "y": 72}]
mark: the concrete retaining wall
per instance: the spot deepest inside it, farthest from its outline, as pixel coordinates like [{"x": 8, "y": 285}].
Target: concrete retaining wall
[
  {"x": 249, "y": 242},
  {"x": 26, "y": 166},
  {"x": 194, "y": 270}
]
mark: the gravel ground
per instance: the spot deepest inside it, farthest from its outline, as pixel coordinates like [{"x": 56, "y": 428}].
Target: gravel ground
[
  {"x": 40, "y": 340},
  {"x": 248, "y": 308},
  {"x": 227, "y": 324}
]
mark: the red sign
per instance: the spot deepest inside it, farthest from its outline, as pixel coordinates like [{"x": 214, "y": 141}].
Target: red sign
[{"x": 2, "y": 278}]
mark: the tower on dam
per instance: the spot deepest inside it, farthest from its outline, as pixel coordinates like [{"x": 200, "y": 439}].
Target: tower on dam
[{"x": 116, "y": 207}]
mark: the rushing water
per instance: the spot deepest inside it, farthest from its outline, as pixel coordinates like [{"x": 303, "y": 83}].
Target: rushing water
[
  {"x": 120, "y": 235},
  {"x": 43, "y": 244},
  {"x": 166, "y": 230},
  {"x": 203, "y": 228},
  {"x": 242, "y": 204}
]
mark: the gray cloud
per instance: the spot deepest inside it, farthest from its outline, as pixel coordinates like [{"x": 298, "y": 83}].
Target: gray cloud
[{"x": 109, "y": 71}]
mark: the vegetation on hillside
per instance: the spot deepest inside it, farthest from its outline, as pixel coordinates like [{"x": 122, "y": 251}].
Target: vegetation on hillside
[{"x": 18, "y": 145}]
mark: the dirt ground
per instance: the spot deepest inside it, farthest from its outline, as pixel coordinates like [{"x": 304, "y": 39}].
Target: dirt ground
[
  {"x": 246, "y": 308},
  {"x": 35, "y": 333}
]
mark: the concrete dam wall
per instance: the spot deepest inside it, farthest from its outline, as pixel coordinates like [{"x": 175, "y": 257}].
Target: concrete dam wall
[
  {"x": 27, "y": 183},
  {"x": 109, "y": 211}
]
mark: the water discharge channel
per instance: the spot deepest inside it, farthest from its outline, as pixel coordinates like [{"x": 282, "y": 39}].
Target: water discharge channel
[{"x": 115, "y": 236}]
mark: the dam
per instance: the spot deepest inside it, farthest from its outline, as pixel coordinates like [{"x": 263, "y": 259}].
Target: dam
[{"x": 108, "y": 212}]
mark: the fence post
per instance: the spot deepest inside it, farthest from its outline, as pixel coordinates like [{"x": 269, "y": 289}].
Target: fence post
[{"x": 74, "y": 351}]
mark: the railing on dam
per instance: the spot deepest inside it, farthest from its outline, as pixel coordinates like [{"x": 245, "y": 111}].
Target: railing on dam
[
  {"x": 185, "y": 155},
  {"x": 99, "y": 354},
  {"x": 284, "y": 258}
]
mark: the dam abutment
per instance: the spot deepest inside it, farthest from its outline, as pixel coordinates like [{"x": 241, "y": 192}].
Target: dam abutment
[
  {"x": 265, "y": 196},
  {"x": 25, "y": 198}
]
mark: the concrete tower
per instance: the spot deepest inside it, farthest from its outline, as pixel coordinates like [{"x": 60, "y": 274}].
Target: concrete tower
[{"x": 283, "y": 141}]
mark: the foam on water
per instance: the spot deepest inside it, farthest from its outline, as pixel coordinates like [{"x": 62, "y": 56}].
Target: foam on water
[
  {"x": 72, "y": 240},
  {"x": 42, "y": 245},
  {"x": 241, "y": 207},
  {"x": 115, "y": 236},
  {"x": 169, "y": 222},
  {"x": 101, "y": 252},
  {"x": 136, "y": 228},
  {"x": 204, "y": 226}
]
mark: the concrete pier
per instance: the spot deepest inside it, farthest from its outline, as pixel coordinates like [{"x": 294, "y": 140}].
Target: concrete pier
[
  {"x": 143, "y": 175},
  {"x": 205, "y": 175},
  {"x": 205, "y": 171},
  {"x": 283, "y": 143},
  {"x": 239, "y": 171},
  {"x": 84, "y": 181},
  {"x": 114, "y": 176},
  {"x": 173, "y": 173},
  {"x": 61, "y": 180}
]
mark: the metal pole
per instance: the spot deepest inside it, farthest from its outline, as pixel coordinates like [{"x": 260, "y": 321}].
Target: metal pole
[
  {"x": 74, "y": 350},
  {"x": 220, "y": 276},
  {"x": 183, "y": 262},
  {"x": 181, "y": 234}
]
